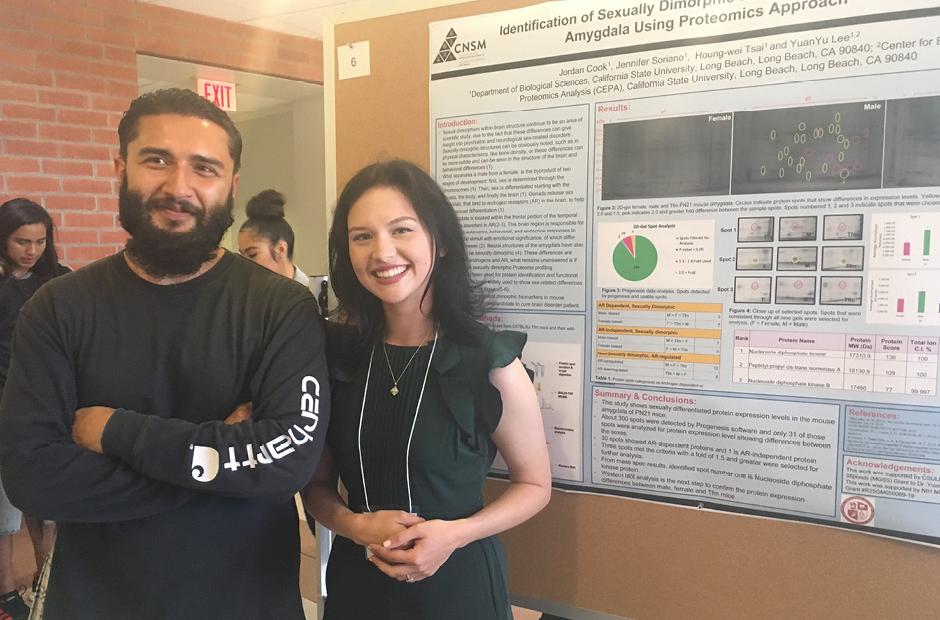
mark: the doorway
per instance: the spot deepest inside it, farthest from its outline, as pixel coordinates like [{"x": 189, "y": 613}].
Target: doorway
[{"x": 281, "y": 122}]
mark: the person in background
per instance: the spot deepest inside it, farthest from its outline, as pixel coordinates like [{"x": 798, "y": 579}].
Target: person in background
[
  {"x": 28, "y": 260},
  {"x": 423, "y": 395},
  {"x": 267, "y": 238}
]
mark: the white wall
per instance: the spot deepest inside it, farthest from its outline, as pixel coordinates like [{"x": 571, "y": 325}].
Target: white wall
[
  {"x": 284, "y": 151},
  {"x": 265, "y": 164},
  {"x": 307, "y": 212}
]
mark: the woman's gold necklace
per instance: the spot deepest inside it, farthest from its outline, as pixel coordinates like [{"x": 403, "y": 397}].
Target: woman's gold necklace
[{"x": 394, "y": 391}]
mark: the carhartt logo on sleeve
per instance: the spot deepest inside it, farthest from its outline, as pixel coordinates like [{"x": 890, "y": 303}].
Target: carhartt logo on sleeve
[{"x": 205, "y": 465}]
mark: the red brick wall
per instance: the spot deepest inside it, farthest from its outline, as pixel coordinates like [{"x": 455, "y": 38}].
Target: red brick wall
[{"x": 68, "y": 70}]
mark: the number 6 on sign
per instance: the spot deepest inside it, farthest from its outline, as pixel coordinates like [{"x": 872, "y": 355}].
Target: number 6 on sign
[{"x": 352, "y": 60}]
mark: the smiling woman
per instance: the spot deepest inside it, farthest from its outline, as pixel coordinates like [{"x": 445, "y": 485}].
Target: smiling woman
[
  {"x": 423, "y": 396},
  {"x": 390, "y": 249}
]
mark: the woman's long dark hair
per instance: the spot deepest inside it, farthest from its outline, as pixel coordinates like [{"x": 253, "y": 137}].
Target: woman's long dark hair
[
  {"x": 20, "y": 212},
  {"x": 457, "y": 299}
]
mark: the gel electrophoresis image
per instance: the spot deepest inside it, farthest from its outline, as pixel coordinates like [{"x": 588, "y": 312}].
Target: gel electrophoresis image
[
  {"x": 912, "y": 143},
  {"x": 828, "y": 147},
  {"x": 684, "y": 156}
]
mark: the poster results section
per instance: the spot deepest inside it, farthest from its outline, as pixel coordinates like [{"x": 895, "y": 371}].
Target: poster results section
[
  {"x": 753, "y": 248},
  {"x": 820, "y": 259}
]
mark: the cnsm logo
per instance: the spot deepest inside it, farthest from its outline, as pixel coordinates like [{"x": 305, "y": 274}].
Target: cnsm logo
[{"x": 451, "y": 48}]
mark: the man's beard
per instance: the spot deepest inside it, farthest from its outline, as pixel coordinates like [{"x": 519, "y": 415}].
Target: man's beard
[{"x": 163, "y": 253}]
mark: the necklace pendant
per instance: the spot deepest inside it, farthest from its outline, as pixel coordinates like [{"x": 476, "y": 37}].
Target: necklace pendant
[{"x": 394, "y": 390}]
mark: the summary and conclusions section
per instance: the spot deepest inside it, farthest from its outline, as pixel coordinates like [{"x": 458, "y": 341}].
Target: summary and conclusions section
[{"x": 767, "y": 453}]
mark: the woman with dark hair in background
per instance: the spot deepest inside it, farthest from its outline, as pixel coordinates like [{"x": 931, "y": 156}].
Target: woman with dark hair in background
[
  {"x": 423, "y": 396},
  {"x": 28, "y": 260},
  {"x": 267, "y": 238}
]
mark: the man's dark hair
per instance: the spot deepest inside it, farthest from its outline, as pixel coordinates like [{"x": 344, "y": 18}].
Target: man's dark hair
[
  {"x": 21, "y": 212},
  {"x": 457, "y": 300},
  {"x": 184, "y": 103},
  {"x": 265, "y": 212}
]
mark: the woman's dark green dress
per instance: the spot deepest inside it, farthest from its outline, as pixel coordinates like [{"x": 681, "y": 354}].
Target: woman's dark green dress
[{"x": 450, "y": 453}]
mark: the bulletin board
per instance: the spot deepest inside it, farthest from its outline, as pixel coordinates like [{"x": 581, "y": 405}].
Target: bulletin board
[{"x": 621, "y": 556}]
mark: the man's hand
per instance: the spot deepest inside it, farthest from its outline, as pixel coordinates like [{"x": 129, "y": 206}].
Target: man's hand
[
  {"x": 373, "y": 528},
  {"x": 89, "y": 427},
  {"x": 242, "y": 413}
]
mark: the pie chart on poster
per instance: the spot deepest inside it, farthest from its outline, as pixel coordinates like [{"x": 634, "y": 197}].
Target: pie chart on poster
[{"x": 635, "y": 258}]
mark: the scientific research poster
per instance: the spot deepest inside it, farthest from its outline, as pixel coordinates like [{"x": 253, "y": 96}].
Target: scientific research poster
[{"x": 718, "y": 222}]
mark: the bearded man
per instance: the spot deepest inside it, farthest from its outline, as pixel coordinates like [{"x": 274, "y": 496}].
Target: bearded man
[{"x": 126, "y": 414}]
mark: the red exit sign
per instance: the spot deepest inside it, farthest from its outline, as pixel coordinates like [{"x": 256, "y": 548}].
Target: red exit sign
[{"x": 220, "y": 93}]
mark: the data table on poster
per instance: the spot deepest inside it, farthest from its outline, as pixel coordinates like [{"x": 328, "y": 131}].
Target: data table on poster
[
  {"x": 859, "y": 363},
  {"x": 639, "y": 341}
]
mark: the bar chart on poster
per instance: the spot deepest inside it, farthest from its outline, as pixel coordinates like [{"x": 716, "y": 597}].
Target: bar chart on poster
[{"x": 719, "y": 224}]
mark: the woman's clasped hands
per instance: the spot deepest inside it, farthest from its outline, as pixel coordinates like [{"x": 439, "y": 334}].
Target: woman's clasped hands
[{"x": 417, "y": 552}]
